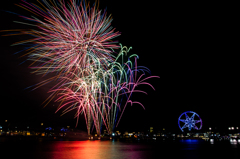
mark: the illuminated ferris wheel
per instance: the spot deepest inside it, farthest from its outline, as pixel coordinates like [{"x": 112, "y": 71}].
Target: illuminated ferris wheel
[{"x": 190, "y": 120}]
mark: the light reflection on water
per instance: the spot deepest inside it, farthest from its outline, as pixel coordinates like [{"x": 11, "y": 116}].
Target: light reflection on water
[{"x": 98, "y": 149}]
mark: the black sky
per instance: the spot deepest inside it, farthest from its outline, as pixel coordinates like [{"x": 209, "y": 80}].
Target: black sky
[{"x": 192, "y": 47}]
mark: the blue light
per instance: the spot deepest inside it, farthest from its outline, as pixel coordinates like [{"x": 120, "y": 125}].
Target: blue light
[
  {"x": 49, "y": 128},
  {"x": 189, "y": 122},
  {"x": 190, "y": 141},
  {"x": 63, "y": 129}
]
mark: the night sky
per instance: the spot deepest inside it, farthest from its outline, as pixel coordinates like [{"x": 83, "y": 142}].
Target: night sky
[{"x": 192, "y": 47}]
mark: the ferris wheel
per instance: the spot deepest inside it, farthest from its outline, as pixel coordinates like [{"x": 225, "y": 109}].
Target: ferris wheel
[{"x": 190, "y": 120}]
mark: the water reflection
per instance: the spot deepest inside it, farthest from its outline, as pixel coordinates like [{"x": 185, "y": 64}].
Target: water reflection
[
  {"x": 95, "y": 150},
  {"x": 190, "y": 144},
  {"x": 98, "y": 149},
  {"x": 190, "y": 141}
]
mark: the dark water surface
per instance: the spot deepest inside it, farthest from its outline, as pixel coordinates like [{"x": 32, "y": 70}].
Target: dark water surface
[{"x": 193, "y": 149}]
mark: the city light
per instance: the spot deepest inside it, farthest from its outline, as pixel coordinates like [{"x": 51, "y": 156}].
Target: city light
[
  {"x": 209, "y": 136},
  {"x": 212, "y": 141},
  {"x": 233, "y": 141}
]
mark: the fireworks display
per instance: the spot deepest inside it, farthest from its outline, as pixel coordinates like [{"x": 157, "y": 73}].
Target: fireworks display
[{"x": 75, "y": 42}]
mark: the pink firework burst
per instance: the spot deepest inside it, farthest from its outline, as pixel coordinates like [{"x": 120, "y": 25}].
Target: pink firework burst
[{"x": 69, "y": 36}]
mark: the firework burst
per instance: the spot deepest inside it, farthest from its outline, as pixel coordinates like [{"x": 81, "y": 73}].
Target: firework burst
[
  {"x": 68, "y": 36},
  {"x": 75, "y": 42}
]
